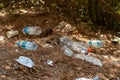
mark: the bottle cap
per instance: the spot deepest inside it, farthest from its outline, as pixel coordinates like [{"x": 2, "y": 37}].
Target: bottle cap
[
  {"x": 89, "y": 50},
  {"x": 25, "y": 30},
  {"x": 21, "y": 43}
]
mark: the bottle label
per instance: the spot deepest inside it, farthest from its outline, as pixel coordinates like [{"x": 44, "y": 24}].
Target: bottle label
[
  {"x": 23, "y": 43},
  {"x": 95, "y": 43},
  {"x": 90, "y": 43},
  {"x": 98, "y": 44},
  {"x": 27, "y": 45}
]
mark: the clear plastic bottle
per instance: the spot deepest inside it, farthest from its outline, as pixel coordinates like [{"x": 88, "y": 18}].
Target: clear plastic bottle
[
  {"x": 96, "y": 43},
  {"x": 67, "y": 51},
  {"x": 32, "y": 30},
  {"x": 90, "y": 59},
  {"x": 12, "y": 33},
  {"x": 65, "y": 40},
  {"x": 79, "y": 47},
  {"x": 25, "y": 61},
  {"x": 27, "y": 45}
]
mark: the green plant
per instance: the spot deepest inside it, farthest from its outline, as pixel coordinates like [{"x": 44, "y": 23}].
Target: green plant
[{"x": 1, "y": 5}]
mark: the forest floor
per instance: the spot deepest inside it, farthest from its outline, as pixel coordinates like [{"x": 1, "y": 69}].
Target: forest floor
[{"x": 64, "y": 67}]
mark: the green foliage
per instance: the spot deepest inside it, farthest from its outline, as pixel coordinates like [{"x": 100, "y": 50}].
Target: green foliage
[
  {"x": 117, "y": 8},
  {"x": 1, "y": 5},
  {"x": 54, "y": 4}
]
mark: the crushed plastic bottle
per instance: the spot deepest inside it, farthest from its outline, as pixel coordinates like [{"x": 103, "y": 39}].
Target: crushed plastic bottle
[
  {"x": 27, "y": 45},
  {"x": 32, "y": 30},
  {"x": 79, "y": 47},
  {"x": 12, "y": 33},
  {"x": 96, "y": 43},
  {"x": 90, "y": 59},
  {"x": 25, "y": 61},
  {"x": 65, "y": 40},
  {"x": 67, "y": 51}
]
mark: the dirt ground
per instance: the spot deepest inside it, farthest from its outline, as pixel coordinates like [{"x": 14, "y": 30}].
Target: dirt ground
[{"x": 64, "y": 67}]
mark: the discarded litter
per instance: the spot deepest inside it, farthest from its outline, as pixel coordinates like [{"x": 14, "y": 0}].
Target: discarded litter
[
  {"x": 67, "y": 51},
  {"x": 25, "y": 61},
  {"x": 61, "y": 25},
  {"x": 47, "y": 46},
  {"x": 78, "y": 47},
  {"x": 65, "y": 40},
  {"x": 32, "y": 30},
  {"x": 70, "y": 46},
  {"x": 27, "y": 45},
  {"x": 64, "y": 27},
  {"x": 2, "y": 38},
  {"x": 96, "y": 78},
  {"x": 90, "y": 59},
  {"x": 96, "y": 43},
  {"x": 116, "y": 40},
  {"x": 12, "y": 33},
  {"x": 50, "y": 62}
]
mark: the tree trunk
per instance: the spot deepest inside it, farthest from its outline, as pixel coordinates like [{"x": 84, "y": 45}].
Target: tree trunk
[{"x": 91, "y": 10}]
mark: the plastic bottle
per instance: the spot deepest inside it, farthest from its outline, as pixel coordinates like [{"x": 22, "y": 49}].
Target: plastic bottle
[
  {"x": 27, "y": 45},
  {"x": 90, "y": 59},
  {"x": 32, "y": 30},
  {"x": 67, "y": 51},
  {"x": 96, "y": 43},
  {"x": 25, "y": 61},
  {"x": 65, "y": 40},
  {"x": 12, "y": 33},
  {"x": 79, "y": 47}
]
